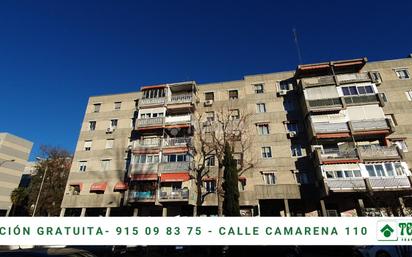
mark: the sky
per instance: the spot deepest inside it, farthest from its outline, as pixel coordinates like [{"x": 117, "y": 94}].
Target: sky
[{"x": 55, "y": 54}]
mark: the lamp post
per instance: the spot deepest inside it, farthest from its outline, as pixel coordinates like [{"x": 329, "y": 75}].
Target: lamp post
[{"x": 41, "y": 186}]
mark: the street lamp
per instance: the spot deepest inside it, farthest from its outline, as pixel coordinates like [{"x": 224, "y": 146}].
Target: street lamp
[{"x": 41, "y": 186}]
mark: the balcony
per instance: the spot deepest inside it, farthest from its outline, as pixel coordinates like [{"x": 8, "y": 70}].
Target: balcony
[
  {"x": 167, "y": 167},
  {"x": 327, "y": 127},
  {"x": 389, "y": 182},
  {"x": 178, "y": 119},
  {"x": 363, "y": 99},
  {"x": 345, "y": 184},
  {"x": 181, "y": 98},
  {"x": 324, "y": 104},
  {"x": 142, "y": 196},
  {"x": 152, "y": 101},
  {"x": 142, "y": 123},
  {"x": 317, "y": 81},
  {"x": 377, "y": 152},
  {"x": 91, "y": 201},
  {"x": 174, "y": 195},
  {"x": 277, "y": 191},
  {"x": 368, "y": 125},
  {"x": 336, "y": 155},
  {"x": 144, "y": 168},
  {"x": 177, "y": 142},
  {"x": 353, "y": 78},
  {"x": 147, "y": 143}
]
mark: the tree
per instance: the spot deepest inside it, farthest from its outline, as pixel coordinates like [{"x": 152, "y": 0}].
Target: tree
[
  {"x": 56, "y": 164},
  {"x": 228, "y": 125},
  {"x": 19, "y": 197},
  {"x": 230, "y": 184}
]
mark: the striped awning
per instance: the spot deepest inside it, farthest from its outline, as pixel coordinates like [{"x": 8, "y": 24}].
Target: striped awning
[
  {"x": 120, "y": 186},
  {"x": 140, "y": 177},
  {"x": 174, "y": 177},
  {"x": 101, "y": 186}
]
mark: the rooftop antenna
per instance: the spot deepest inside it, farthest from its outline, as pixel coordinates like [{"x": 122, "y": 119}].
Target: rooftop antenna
[{"x": 295, "y": 38}]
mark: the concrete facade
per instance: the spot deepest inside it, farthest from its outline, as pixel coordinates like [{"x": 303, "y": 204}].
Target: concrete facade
[
  {"x": 294, "y": 149},
  {"x": 14, "y": 152}
]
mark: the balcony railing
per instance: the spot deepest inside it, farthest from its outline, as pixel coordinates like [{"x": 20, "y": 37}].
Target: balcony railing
[
  {"x": 154, "y": 142},
  {"x": 176, "y": 194},
  {"x": 378, "y": 152},
  {"x": 389, "y": 182},
  {"x": 177, "y": 141},
  {"x": 166, "y": 167},
  {"x": 335, "y": 154},
  {"x": 361, "y": 99},
  {"x": 180, "y": 119},
  {"x": 142, "y": 196},
  {"x": 325, "y": 103},
  {"x": 374, "y": 124},
  {"x": 149, "y": 168},
  {"x": 352, "y": 77},
  {"x": 150, "y": 122},
  {"x": 177, "y": 99},
  {"x": 91, "y": 200},
  {"x": 346, "y": 183},
  {"x": 327, "y": 127},
  {"x": 152, "y": 101},
  {"x": 317, "y": 81}
]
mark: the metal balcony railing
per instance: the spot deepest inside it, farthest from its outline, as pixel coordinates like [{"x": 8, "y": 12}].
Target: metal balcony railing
[
  {"x": 317, "y": 81},
  {"x": 346, "y": 183},
  {"x": 142, "y": 195},
  {"x": 165, "y": 167},
  {"x": 150, "y": 122},
  {"x": 152, "y": 101},
  {"x": 329, "y": 102},
  {"x": 378, "y": 152},
  {"x": 186, "y": 98},
  {"x": 360, "y": 99},
  {"x": 327, "y": 127},
  {"x": 175, "y": 194},
  {"x": 180, "y": 119},
  {"x": 362, "y": 125},
  {"x": 333, "y": 154},
  {"x": 149, "y": 168},
  {"x": 153, "y": 142},
  {"x": 177, "y": 141},
  {"x": 352, "y": 77},
  {"x": 389, "y": 182}
]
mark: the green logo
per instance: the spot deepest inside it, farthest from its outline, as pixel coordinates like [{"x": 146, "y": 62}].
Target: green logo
[{"x": 387, "y": 230}]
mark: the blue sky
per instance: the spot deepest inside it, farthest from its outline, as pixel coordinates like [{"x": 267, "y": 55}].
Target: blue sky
[{"x": 55, "y": 54}]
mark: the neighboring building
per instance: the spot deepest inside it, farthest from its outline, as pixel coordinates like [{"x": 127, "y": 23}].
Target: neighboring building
[
  {"x": 329, "y": 139},
  {"x": 14, "y": 152}
]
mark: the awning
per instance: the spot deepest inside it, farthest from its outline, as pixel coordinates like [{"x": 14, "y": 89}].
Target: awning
[
  {"x": 139, "y": 177},
  {"x": 178, "y": 149},
  {"x": 178, "y": 126},
  {"x": 152, "y": 87},
  {"x": 120, "y": 186},
  {"x": 174, "y": 177},
  {"x": 98, "y": 186}
]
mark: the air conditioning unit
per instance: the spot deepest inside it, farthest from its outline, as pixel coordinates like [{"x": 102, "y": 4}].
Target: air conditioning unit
[
  {"x": 282, "y": 92},
  {"x": 109, "y": 130},
  {"x": 208, "y": 102},
  {"x": 292, "y": 134}
]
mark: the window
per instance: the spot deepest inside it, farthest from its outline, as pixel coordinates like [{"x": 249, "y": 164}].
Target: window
[
  {"x": 109, "y": 143},
  {"x": 292, "y": 127},
  {"x": 391, "y": 118},
  {"x": 210, "y": 161},
  {"x": 87, "y": 145},
  {"x": 296, "y": 150},
  {"x": 357, "y": 90},
  {"x": 343, "y": 174},
  {"x": 259, "y": 89},
  {"x": 74, "y": 189},
  {"x": 289, "y": 104},
  {"x": 260, "y": 107},
  {"x": 352, "y": 173},
  {"x": 401, "y": 144},
  {"x": 209, "y": 96},
  {"x": 402, "y": 73},
  {"x": 375, "y": 76},
  {"x": 284, "y": 85},
  {"x": 242, "y": 183},
  {"x": 82, "y": 166},
  {"x": 147, "y": 158},
  {"x": 234, "y": 114},
  {"x": 113, "y": 123},
  {"x": 269, "y": 178},
  {"x": 117, "y": 105},
  {"x": 266, "y": 152},
  {"x": 105, "y": 165},
  {"x": 92, "y": 125},
  {"x": 96, "y": 107},
  {"x": 263, "y": 129},
  {"x": 409, "y": 95},
  {"x": 303, "y": 177},
  {"x": 210, "y": 185},
  {"x": 210, "y": 116},
  {"x": 176, "y": 158},
  {"x": 233, "y": 94},
  {"x": 386, "y": 169}
]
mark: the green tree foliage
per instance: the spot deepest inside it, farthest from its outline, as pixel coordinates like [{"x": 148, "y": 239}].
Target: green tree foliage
[
  {"x": 19, "y": 197},
  {"x": 56, "y": 164},
  {"x": 230, "y": 184}
]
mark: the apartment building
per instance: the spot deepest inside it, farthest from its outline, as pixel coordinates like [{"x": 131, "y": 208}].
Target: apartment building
[
  {"x": 328, "y": 139},
  {"x": 14, "y": 152}
]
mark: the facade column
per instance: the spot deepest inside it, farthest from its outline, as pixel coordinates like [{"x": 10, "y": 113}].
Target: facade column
[
  {"x": 402, "y": 207},
  {"x": 83, "y": 213},
  {"x": 361, "y": 206},
  {"x": 62, "y": 212},
  {"x": 108, "y": 209},
  {"x": 323, "y": 208},
  {"x": 164, "y": 212},
  {"x": 8, "y": 212},
  {"x": 287, "y": 211},
  {"x": 258, "y": 208},
  {"x": 135, "y": 212}
]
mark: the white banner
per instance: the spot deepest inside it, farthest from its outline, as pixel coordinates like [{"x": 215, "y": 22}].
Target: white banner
[{"x": 205, "y": 231}]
